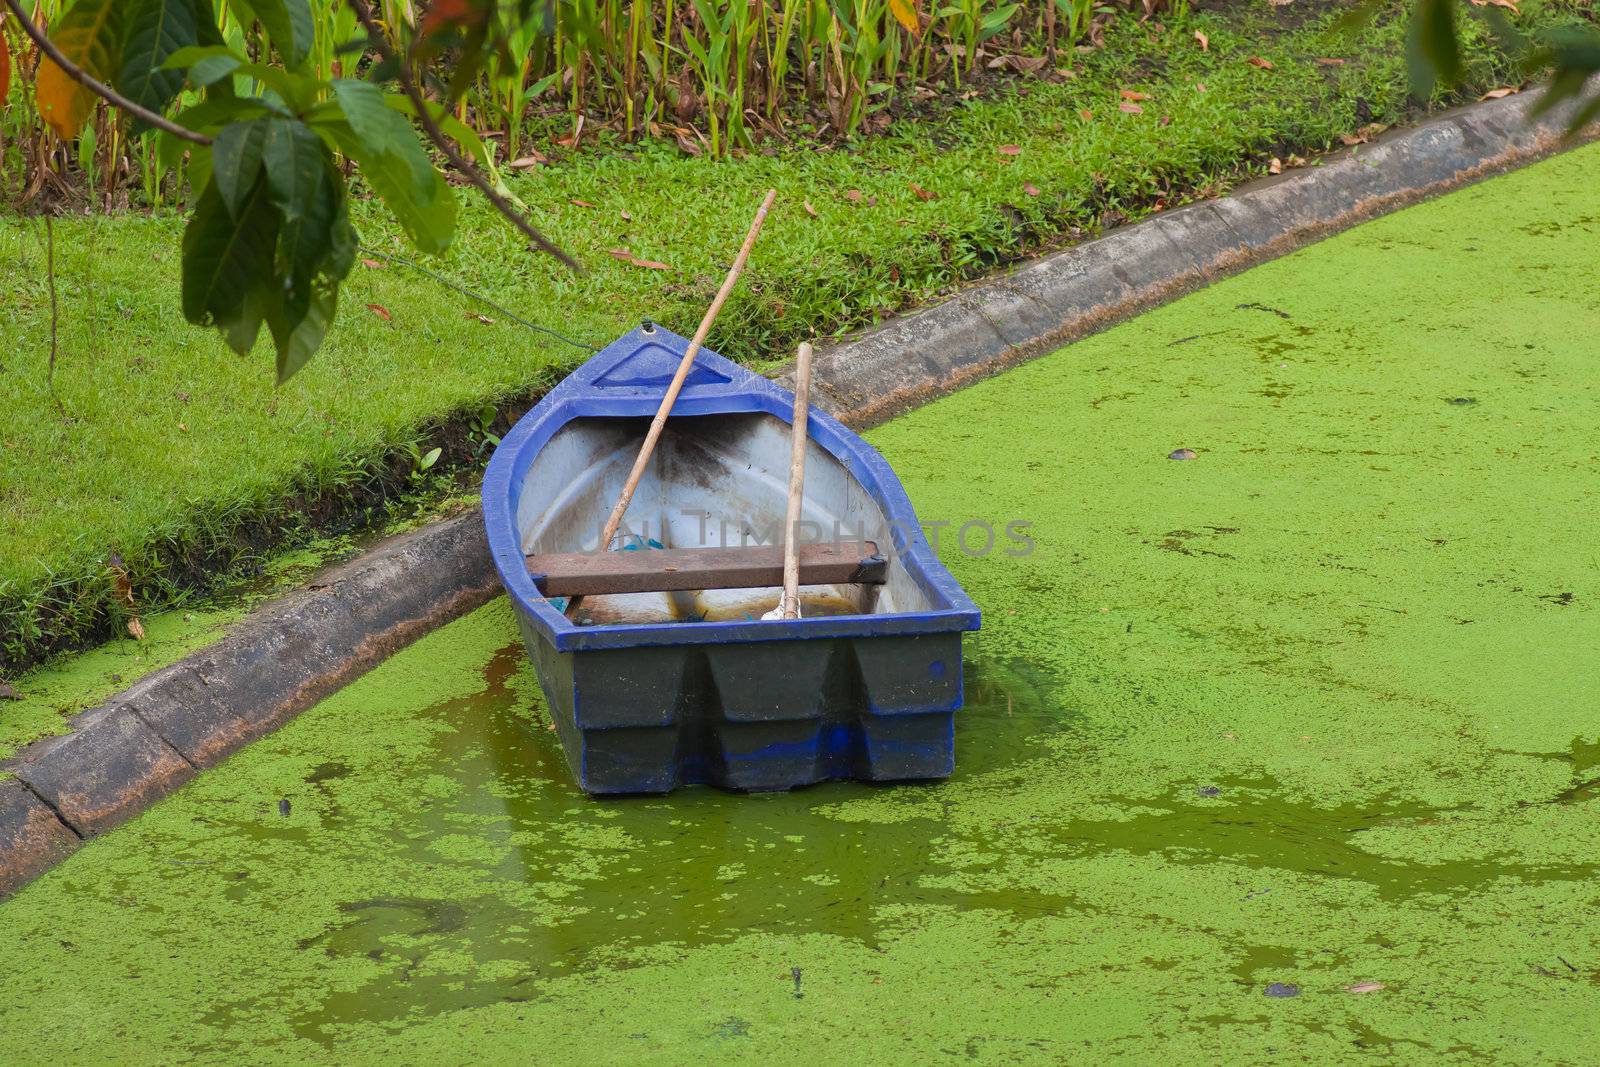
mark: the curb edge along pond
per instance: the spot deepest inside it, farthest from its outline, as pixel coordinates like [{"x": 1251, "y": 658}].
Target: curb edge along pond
[{"x": 148, "y": 740}]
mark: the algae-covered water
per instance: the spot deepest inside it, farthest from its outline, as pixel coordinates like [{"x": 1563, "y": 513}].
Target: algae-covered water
[{"x": 1317, "y": 711}]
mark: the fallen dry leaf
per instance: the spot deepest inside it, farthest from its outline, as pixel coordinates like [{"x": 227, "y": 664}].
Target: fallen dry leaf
[
  {"x": 624, "y": 215},
  {"x": 486, "y": 320},
  {"x": 1275, "y": 165},
  {"x": 8, "y": 693},
  {"x": 580, "y": 203},
  {"x": 1329, "y": 61},
  {"x": 1132, "y": 94},
  {"x": 923, "y": 194},
  {"x": 1350, "y": 140},
  {"x": 121, "y": 584},
  {"x": 1364, "y": 987},
  {"x": 374, "y": 264},
  {"x": 1030, "y": 189},
  {"x": 380, "y": 311},
  {"x": 1257, "y": 61},
  {"x": 1297, "y": 161},
  {"x": 1203, "y": 40},
  {"x": 649, "y": 263},
  {"x": 1022, "y": 64},
  {"x": 809, "y": 209},
  {"x": 1009, "y": 150},
  {"x": 619, "y": 253},
  {"x": 1499, "y": 94},
  {"x": 1199, "y": 87},
  {"x": 1130, "y": 108},
  {"x": 1086, "y": 115},
  {"x": 1166, "y": 120},
  {"x": 853, "y": 195},
  {"x": 183, "y": 427},
  {"x": 136, "y": 629},
  {"x": 528, "y": 162}
]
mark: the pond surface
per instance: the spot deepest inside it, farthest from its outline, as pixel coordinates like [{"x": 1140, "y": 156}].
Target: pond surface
[{"x": 1288, "y": 751}]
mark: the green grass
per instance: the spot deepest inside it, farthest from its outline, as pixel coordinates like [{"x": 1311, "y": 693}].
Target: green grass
[{"x": 184, "y": 460}]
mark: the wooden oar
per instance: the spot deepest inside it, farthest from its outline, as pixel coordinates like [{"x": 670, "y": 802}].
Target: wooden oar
[
  {"x": 789, "y": 603},
  {"x": 684, "y": 366}
]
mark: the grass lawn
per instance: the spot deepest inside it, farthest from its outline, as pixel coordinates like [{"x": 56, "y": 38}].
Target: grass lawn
[
  {"x": 1286, "y": 754},
  {"x": 165, "y": 449}
]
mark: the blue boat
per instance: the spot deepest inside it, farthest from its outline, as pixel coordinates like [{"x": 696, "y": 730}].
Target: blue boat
[{"x": 654, "y": 681}]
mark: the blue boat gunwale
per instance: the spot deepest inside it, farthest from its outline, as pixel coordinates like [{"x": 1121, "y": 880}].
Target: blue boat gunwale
[{"x": 735, "y": 390}]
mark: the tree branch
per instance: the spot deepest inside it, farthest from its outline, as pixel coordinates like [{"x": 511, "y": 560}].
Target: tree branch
[
  {"x": 443, "y": 143},
  {"x": 99, "y": 88}
]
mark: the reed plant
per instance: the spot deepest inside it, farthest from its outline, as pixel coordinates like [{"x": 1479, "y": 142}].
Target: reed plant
[{"x": 716, "y": 76}]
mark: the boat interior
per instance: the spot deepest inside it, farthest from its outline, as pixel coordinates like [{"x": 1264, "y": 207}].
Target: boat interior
[{"x": 714, "y": 481}]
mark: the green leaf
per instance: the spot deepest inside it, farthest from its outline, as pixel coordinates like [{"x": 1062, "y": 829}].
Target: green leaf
[
  {"x": 236, "y": 162},
  {"x": 392, "y": 161},
  {"x": 430, "y": 222},
  {"x": 297, "y": 343},
  {"x": 199, "y": 171},
  {"x": 208, "y": 116},
  {"x": 209, "y": 66},
  {"x": 157, "y": 30},
  {"x": 297, "y": 165},
  {"x": 449, "y": 125},
  {"x": 315, "y": 241},
  {"x": 204, "y": 64},
  {"x": 241, "y": 332},
  {"x": 1433, "y": 52},
  {"x": 290, "y": 26},
  {"x": 382, "y": 130},
  {"x": 226, "y": 257}
]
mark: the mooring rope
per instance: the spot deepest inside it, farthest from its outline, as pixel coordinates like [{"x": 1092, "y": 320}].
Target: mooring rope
[{"x": 464, "y": 291}]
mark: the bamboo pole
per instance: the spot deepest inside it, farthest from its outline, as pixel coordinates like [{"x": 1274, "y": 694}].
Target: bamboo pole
[
  {"x": 659, "y": 422},
  {"x": 789, "y": 603}
]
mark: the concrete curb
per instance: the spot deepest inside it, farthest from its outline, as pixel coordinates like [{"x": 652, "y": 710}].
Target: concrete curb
[
  {"x": 151, "y": 738},
  {"x": 154, "y": 736},
  {"x": 1035, "y": 309}
]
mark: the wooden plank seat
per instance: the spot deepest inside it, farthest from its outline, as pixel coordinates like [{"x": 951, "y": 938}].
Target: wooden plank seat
[{"x": 663, "y": 570}]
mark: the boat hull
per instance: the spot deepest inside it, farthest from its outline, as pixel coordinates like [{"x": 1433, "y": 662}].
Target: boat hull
[
  {"x": 649, "y": 691},
  {"x": 753, "y": 716}
]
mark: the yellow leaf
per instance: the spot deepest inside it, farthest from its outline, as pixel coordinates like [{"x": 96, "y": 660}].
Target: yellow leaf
[
  {"x": 90, "y": 36},
  {"x": 905, "y": 13}
]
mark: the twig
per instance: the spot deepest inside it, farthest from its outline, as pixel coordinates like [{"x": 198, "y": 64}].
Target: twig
[
  {"x": 99, "y": 88},
  {"x": 443, "y": 143},
  {"x": 50, "y": 273},
  {"x": 684, "y": 366}
]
